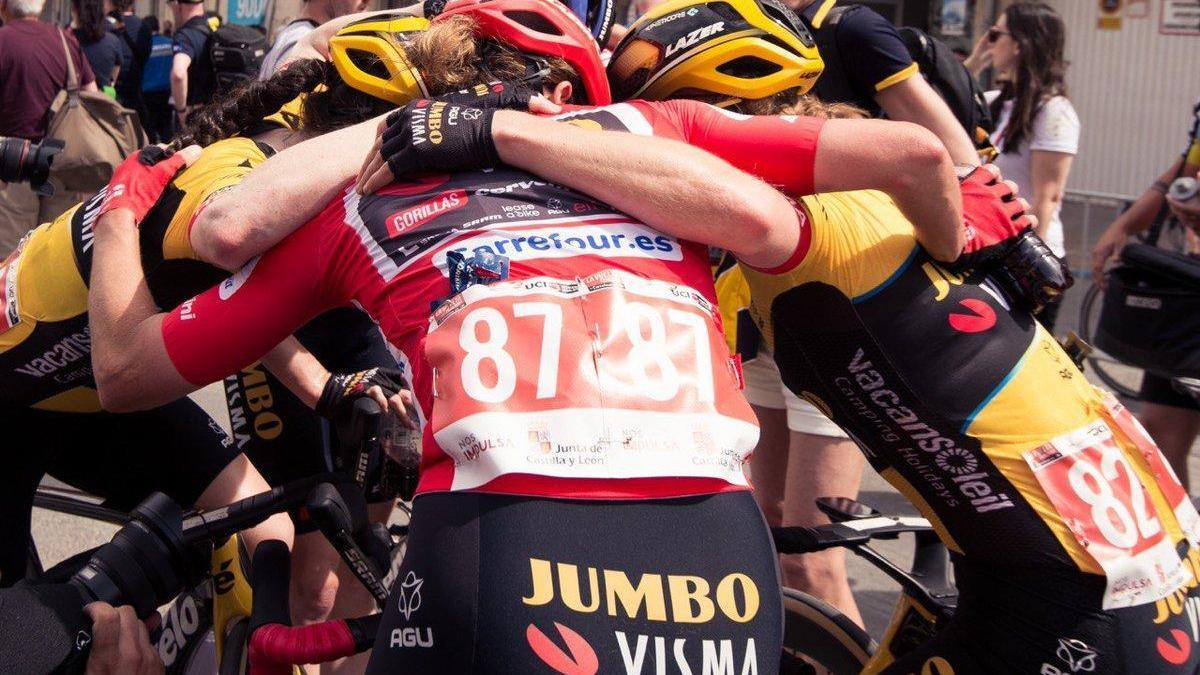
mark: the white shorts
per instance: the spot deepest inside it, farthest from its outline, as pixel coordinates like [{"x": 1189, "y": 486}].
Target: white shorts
[{"x": 765, "y": 389}]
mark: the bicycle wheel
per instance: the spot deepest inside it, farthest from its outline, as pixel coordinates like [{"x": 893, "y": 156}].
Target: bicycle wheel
[
  {"x": 1124, "y": 380},
  {"x": 819, "y": 639}
]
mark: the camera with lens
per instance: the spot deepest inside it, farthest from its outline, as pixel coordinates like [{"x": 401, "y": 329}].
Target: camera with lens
[
  {"x": 147, "y": 562},
  {"x": 22, "y": 160}
]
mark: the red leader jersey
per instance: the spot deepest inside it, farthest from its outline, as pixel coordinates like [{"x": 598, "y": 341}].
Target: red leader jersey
[{"x": 556, "y": 346}]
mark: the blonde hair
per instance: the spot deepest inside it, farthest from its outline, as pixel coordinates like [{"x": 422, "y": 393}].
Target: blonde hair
[
  {"x": 447, "y": 54},
  {"x": 792, "y": 102},
  {"x": 787, "y": 102},
  {"x": 450, "y": 57}
]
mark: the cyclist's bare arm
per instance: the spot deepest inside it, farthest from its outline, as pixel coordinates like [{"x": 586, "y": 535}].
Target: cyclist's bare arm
[
  {"x": 914, "y": 100},
  {"x": 669, "y": 185},
  {"x": 132, "y": 366},
  {"x": 279, "y": 196},
  {"x": 905, "y": 161},
  {"x": 315, "y": 43},
  {"x": 1135, "y": 219},
  {"x": 298, "y": 370},
  {"x": 128, "y": 353}
]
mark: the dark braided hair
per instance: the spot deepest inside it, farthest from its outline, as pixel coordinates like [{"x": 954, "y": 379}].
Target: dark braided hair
[
  {"x": 246, "y": 106},
  {"x": 340, "y": 105}
]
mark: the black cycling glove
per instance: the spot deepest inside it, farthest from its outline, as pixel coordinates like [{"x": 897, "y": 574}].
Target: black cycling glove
[
  {"x": 439, "y": 135},
  {"x": 342, "y": 389},
  {"x": 500, "y": 95},
  {"x": 432, "y": 8}
]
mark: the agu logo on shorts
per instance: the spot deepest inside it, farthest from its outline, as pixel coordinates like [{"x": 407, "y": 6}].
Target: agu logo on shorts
[{"x": 408, "y": 637}]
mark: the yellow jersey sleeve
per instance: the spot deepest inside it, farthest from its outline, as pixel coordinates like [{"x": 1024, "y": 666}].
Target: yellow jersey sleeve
[{"x": 219, "y": 167}]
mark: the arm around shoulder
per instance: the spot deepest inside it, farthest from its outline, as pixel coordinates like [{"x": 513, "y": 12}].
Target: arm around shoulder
[
  {"x": 903, "y": 160},
  {"x": 246, "y": 220}
]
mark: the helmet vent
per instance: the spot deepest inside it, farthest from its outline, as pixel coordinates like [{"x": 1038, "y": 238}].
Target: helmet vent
[
  {"x": 534, "y": 21},
  {"x": 748, "y": 67},
  {"x": 368, "y": 63},
  {"x": 788, "y": 19},
  {"x": 725, "y": 11}
]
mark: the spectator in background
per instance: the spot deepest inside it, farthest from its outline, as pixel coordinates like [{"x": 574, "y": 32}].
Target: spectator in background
[
  {"x": 191, "y": 66},
  {"x": 102, "y": 48},
  {"x": 136, "y": 40},
  {"x": 1172, "y": 418},
  {"x": 313, "y": 14},
  {"x": 33, "y": 69},
  {"x": 156, "y": 85},
  {"x": 1037, "y": 130},
  {"x": 867, "y": 65}
]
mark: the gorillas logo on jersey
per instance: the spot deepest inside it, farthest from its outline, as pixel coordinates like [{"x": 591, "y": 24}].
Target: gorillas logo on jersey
[{"x": 416, "y": 216}]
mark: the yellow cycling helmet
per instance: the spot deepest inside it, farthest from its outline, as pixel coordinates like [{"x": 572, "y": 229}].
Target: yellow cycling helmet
[
  {"x": 743, "y": 49},
  {"x": 369, "y": 56}
]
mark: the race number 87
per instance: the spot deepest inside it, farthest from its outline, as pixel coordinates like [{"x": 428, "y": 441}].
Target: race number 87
[{"x": 653, "y": 356}]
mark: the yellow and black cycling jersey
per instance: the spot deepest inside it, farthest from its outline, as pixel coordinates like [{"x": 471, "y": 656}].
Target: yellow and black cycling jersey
[
  {"x": 973, "y": 411},
  {"x": 943, "y": 385},
  {"x": 45, "y": 344}
]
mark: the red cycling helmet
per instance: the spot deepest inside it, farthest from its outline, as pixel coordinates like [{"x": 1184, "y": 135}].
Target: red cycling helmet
[{"x": 541, "y": 28}]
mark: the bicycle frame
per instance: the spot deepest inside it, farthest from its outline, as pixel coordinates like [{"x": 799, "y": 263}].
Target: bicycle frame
[{"x": 927, "y": 599}]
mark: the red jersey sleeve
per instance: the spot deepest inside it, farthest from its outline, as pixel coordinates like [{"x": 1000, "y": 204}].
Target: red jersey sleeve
[
  {"x": 779, "y": 149},
  {"x": 231, "y": 325}
]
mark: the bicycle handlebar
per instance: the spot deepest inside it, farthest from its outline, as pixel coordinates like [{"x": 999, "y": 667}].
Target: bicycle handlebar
[
  {"x": 848, "y": 534},
  {"x": 275, "y": 645}
]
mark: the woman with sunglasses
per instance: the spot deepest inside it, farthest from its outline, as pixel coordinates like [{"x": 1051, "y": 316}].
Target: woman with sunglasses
[{"x": 1037, "y": 130}]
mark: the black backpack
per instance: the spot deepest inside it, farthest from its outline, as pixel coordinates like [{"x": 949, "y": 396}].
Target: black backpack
[
  {"x": 237, "y": 54},
  {"x": 937, "y": 64},
  {"x": 949, "y": 78}
]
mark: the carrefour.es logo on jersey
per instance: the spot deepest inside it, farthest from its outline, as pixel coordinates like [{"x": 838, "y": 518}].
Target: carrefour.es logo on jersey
[{"x": 625, "y": 240}]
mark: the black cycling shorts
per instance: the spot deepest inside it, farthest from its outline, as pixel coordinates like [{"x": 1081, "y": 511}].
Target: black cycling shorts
[
  {"x": 1158, "y": 389},
  {"x": 504, "y": 584},
  {"x": 284, "y": 438},
  {"x": 993, "y": 631},
  {"x": 177, "y": 449}
]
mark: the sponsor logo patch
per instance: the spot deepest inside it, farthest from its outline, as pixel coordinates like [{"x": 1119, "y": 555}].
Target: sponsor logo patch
[
  {"x": 626, "y": 240},
  {"x": 416, "y": 216},
  {"x": 236, "y": 280}
]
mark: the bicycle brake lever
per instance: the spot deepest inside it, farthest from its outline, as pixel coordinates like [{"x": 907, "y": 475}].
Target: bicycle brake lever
[{"x": 334, "y": 519}]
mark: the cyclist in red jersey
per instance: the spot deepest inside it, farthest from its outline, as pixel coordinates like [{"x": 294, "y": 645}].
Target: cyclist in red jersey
[
  {"x": 624, "y": 409},
  {"x": 656, "y": 423}
]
